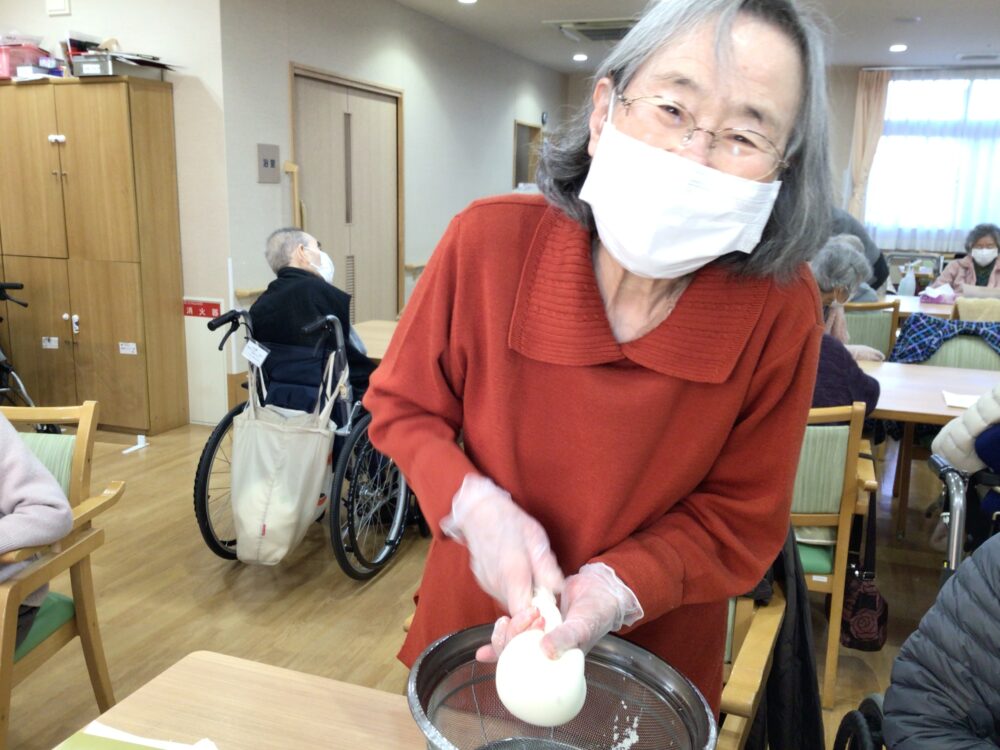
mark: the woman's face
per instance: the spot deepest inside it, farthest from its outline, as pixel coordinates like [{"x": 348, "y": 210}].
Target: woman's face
[
  {"x": 838, "y": 294},
  {"x": 757, "y": 88}
]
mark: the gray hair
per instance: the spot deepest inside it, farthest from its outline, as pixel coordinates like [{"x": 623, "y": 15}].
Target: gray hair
[
  {"x": 982, "y": 230},
  {"x": 801, "y": 218},
  {"x": 841, "y": 263},
  {"x": 281, "y": 244}
]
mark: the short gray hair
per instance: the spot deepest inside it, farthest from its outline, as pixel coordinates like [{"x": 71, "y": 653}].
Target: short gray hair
[
  {"x": 801, "y": 217},
  {"x": 281, "y": 244},
  {"x": 982, "y": 230},
  {"x": 841, "y": 263}
]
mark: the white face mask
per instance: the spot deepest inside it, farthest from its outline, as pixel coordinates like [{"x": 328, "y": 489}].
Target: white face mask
[
  {"x": 663, "y": 216},
  {"x": 325, "y": 267},
  {"x": 984, "y": 255}
]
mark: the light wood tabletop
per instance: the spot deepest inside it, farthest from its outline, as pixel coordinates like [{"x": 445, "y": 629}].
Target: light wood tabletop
[
  {"x": 912, "y": 304},
  {"x": 245, "y": 705},
  {"x": 914, "y": 393},
  {"x": 376, "y": 335}
]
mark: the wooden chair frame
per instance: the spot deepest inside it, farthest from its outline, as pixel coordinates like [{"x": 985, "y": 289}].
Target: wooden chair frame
[
  {"x": 755, "y": 631},
  {"x": 874, "y": 307},
  {"x": 850, "y": 502},
  {"x": 71, "y": 553}
]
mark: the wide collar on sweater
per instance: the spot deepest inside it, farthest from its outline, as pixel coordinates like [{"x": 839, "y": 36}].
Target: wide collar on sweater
[{"x": 559, "y": 314}]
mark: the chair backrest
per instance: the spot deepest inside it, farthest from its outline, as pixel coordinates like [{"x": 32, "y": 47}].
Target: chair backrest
[
  {"x": 873, "y": 324},
  {"x": 68, "y": 457},
  {"x": 965, "y": 351},
  {"x": 826, "y": 479},
  {"x": 984, "y": 309}
]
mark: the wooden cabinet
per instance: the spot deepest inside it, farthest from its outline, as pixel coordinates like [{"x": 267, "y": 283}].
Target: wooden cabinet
[{"x": 89, "y": 224}]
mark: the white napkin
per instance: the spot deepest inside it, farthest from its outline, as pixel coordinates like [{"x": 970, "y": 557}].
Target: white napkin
[{"x": 958, "y": 400}]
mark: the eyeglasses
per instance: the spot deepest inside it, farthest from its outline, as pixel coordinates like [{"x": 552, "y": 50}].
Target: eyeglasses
[{"x": 738, "y": 151}]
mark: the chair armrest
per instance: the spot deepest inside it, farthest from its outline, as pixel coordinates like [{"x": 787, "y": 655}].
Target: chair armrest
[
  {"x": 742, "y": 692},
  {"x": 20, "y": 555},
  {"x": 82, "y": 514},
  {"x": 90, "y": 507}
]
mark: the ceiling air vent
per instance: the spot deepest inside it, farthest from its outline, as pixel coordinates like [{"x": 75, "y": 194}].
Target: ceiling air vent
[
  {"x": 597, "y": 30},
  {"x": 980, "y": 57}
]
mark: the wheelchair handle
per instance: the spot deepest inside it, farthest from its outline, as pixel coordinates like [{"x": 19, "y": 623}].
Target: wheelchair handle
[
  {"x": 228, "y": 317},
  {"x": 332, "y": 325},
  {"x": 4, "y": 286}
]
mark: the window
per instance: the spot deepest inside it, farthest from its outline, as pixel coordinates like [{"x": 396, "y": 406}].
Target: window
[{"x": 936, "y": 172}]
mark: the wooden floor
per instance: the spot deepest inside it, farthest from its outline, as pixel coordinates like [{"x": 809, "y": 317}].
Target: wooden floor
[{"x": 162, "y": 594}]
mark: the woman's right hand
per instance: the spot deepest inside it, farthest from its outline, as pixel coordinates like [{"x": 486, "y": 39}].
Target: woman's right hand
[{"x": 509, "y": 550}]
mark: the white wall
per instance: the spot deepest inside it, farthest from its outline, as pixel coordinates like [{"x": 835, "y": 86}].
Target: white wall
[
  {"x": 460, "y": 98},
  {"x": 185, "y": 32}
]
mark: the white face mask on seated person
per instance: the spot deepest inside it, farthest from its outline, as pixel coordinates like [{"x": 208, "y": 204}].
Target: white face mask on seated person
[
  {"x": 983, "y": 256},
  {"x": 325, "y": 268}
]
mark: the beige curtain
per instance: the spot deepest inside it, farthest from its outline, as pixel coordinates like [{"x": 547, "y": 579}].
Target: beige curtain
[{"x": 869, "y": 116}]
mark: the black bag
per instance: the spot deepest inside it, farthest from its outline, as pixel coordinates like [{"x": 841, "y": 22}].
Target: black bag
[{"x": 864, "y": 624}]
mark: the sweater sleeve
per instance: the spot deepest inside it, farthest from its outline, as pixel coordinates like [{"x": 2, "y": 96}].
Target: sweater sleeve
[
  {"x": 718, "y": 541},
  {"x": 945, "y": 685},
  {"x": 415, "y": 394},
  {"x": 33, "y": 508},
  {"x": 951, "y": 275}
]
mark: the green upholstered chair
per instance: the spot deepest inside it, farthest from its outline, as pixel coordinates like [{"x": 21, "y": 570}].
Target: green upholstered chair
[
  {"x": 873, "y": 324},
  {"x": 825, "y": 498},
  {"x": 61, "y": 618}
]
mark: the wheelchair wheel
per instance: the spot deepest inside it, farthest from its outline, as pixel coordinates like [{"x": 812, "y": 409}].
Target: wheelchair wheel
[
  {"x": 369, "y": 505},
  {"x": 212, "y": 482},
  {"x": 854, "y": 733}
]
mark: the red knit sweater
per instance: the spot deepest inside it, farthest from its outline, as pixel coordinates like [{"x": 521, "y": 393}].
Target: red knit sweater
[{"x": 670, "y": 458}]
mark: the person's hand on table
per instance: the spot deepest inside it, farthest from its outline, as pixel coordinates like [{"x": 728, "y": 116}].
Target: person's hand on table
[
  {"x": 509, "y": 550},
  {"x": 860, "y": 352}
]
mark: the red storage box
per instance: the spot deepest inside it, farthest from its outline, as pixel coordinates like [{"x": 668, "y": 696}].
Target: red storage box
[{"x": 18, "y": 54}]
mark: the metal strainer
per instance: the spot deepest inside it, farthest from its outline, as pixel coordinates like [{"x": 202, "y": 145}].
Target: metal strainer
[{"x": 635, "y": 701}]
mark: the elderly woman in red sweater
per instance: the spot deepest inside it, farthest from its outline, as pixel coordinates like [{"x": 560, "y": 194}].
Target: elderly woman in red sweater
[{"x": 628, "y": 358}]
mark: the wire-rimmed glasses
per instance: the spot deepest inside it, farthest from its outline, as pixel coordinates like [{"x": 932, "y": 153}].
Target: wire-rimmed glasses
[{"x": 738, "y": 151}]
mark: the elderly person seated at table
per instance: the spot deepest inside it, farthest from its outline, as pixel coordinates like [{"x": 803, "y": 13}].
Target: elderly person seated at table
[
  {"x": 839, "y": 268},
  {"x": 979, "y": 267}
]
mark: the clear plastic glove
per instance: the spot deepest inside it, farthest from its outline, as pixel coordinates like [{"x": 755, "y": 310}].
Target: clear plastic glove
[
  {"x": 509, "y": 549},
  {"x": 595, "y": 602},
  {"x": 861, "y": 352}
]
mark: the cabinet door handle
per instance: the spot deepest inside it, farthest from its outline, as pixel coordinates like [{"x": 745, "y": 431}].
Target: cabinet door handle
[
  {"x": 57, "y": 138},
  {"x": 76, "y": 324},
  {"x": 55, "y": 172}
]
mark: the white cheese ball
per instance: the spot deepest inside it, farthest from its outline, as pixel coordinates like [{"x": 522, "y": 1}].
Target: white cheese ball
[{"x": 536, "y": 689}]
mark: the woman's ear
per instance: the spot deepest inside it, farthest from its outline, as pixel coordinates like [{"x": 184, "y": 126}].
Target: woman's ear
[{"x": 602, "y": 100}]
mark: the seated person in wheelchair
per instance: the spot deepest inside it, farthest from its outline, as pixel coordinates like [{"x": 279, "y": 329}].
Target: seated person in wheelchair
[
  {"x": 302, "y": 291},
  {"x": 33, "y": 512},
  {"x": 945, "y": 686}
]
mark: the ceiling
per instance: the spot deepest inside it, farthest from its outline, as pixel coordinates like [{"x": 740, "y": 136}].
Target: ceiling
[{"x": 861, "y": 30}]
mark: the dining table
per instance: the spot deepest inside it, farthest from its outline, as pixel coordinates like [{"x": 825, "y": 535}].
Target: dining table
[
  {"x": 246, "y": 705},
  {"x": 910, "y": 304},
  {"x": 914, "y": 394},
  {"x": 376, "y": 335}
]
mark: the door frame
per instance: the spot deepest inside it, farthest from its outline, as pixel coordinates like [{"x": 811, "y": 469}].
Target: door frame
[
  {"x": 306, "y": 71},
  {"x": 538, "y": 135}
]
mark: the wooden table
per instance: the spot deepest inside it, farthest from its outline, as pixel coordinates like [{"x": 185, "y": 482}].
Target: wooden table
[
  {"x": 912, "y": 394},
  {"x": 244, "y": 705},
  {"x": 912, "y": 304},
  {"x": 376, "y": 335}
]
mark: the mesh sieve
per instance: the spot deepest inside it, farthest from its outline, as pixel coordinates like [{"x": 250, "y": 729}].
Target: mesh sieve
[{"x": 634, "y": 702}]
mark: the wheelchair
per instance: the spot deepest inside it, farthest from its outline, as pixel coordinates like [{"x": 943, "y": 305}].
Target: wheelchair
[
  {"x": 370, "y": 501},
  {"x": 12, "y": 390}
]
